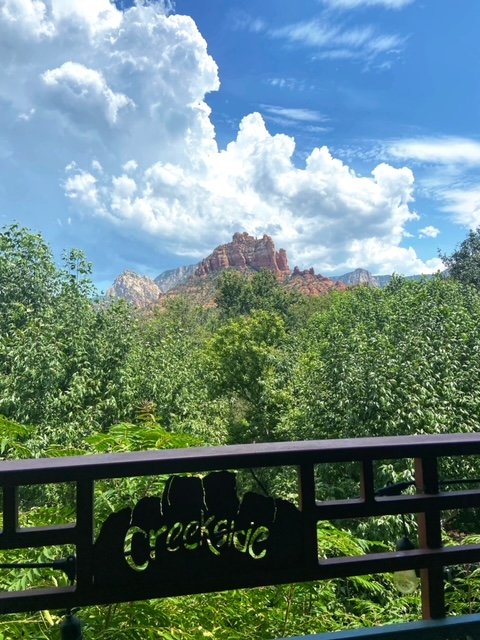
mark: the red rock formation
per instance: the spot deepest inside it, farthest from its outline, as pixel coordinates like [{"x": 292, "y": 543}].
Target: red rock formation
[
  {"x": 244, "y": 253},
  {"x": 309, "y": 284}
]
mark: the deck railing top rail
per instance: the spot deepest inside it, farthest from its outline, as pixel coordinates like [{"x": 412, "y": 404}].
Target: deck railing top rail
[{"x": 41, "y": 470}]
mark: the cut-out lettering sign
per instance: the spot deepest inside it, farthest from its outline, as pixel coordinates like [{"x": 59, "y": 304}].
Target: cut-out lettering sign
[{"x": 196, "y": 537}]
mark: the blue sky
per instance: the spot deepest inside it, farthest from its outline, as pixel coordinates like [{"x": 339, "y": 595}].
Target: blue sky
[{"x": 147, "y": 134}]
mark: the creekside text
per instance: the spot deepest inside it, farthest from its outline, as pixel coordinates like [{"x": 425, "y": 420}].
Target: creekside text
[{"x": 140, "y": 546}]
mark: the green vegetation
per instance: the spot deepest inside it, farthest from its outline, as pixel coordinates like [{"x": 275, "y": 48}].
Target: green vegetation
[
  {"x": 81, "y": 375},
  {"x": 464, "y": 263}
]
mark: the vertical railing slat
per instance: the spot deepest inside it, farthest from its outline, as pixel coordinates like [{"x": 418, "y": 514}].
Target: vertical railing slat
[
  {"x": 430, "y": 537},
  {"x": 85, "y": 533},
  {"x": 10, "y": 510},
  {"x": 308, "y": 508},
  {"x": 367, "y": 488}
]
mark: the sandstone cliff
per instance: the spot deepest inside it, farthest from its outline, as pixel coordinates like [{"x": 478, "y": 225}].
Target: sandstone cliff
[
  {"x": 246, "y": 253},
  {"x": 132, "y": 287},
  {"x": 309, "y": 284}
]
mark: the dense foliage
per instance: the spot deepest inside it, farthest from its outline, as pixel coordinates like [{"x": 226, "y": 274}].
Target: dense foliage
[
  {"x": 79, "y": 374},
  {"x": 464, "y": 263}
]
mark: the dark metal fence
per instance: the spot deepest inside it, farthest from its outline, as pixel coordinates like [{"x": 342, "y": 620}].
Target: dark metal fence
[{"x": 292, "y": 557}]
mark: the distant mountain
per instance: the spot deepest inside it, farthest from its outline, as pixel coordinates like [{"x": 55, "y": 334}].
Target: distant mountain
[
  {"x": 362, "y": 276},
  {"x": 173, "y": 277},
  {"x": 384, "y": 280},
  {"x": 358, "y": 277},
  {"x": 132, "y": 287},
  {"x": 246, "y": 254},
  {"x": 250, "y": 255}
]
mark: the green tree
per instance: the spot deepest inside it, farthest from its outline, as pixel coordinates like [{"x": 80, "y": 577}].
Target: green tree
[
  {"x": 28, "y": 276},
  {"x": 233, "y": 294},
  {"x": 399, "y": 361},
  {"x": 240, "y": 294},
  {"x": 464, "y": 263},
  {"x": 62, "y": 353},
  {"x": 245, "y": 362}
]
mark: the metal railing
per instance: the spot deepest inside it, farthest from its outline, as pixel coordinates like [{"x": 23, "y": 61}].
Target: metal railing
[{"x": 427, "y": 504}]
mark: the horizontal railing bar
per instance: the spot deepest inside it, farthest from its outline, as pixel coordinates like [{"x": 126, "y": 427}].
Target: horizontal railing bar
[
  {"x": 37, "y": 599},
  {"x": 39, "y": 537},
  {"x": 426, "y": 630},
  {"x": 389, "y": 562},
  {"x": 358, "y": 508},
  {"x": 66, "y": 597},
  {"x": 44, "y": 470}
]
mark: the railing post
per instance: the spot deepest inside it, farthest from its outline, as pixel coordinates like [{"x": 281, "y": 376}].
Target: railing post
[
  {"x": 367, "y": 488},
  {"x": 10, "y": 510},
  {"x": 85, "y": 533},
  {"x": 430, "y": 537},
  {"x": 308, "y": 509}
]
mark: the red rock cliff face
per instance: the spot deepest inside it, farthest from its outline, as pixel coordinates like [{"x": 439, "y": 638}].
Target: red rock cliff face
[
  {"x": 246, "y": 252},
  {"x": 309, "y": 284}
]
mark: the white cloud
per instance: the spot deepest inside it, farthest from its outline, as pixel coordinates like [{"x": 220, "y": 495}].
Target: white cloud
[
  {"x": 79, "y": 89},
  {"x": 96, "y": 15},
  {"x": 335, "y": 42},
  {"x": 443, "y": 150},
  {"x": 26, "y": 19},
  {"x": 241, "y": 20},
  {"x": 83, "y": 187},
  {"x": 325, "y": 213},
  {"x": 131, "y": 165},
  {"x": 450, "y": 175},
  {"x": 356, "y": 4},
  {"x": 464, "y": 204},
  {"x": 297, "y": 115},
  {"x": 429, "y": 232},
  {"x": 292, "y": 84},
  {"x": 120, "y": 97}
]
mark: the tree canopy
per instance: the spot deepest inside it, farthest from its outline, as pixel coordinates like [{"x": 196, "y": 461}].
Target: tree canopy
[{"x": 464, "y": 263}]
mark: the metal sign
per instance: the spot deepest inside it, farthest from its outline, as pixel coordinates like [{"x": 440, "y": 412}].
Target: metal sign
[
  {"x": 197, "y": 528},
  {"x": 199, "y": 536}
]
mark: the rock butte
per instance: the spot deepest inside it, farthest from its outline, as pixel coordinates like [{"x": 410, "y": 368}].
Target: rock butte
[{"x": 244, "y": 253}]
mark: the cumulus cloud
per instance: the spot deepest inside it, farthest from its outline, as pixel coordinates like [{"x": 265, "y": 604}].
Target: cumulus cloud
[
  {"x": 428, "y": 232},
  {"x": 120, "y": 97},
  {"x": 325, "y": 213},
  {"x": 79, "y": 89},
  {"x": 82, "y": 186},
  {"x": 26, "y": 19}
]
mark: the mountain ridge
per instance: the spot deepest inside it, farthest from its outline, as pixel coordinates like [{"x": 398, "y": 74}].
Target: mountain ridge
[{"x": 244, "y": 253}]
